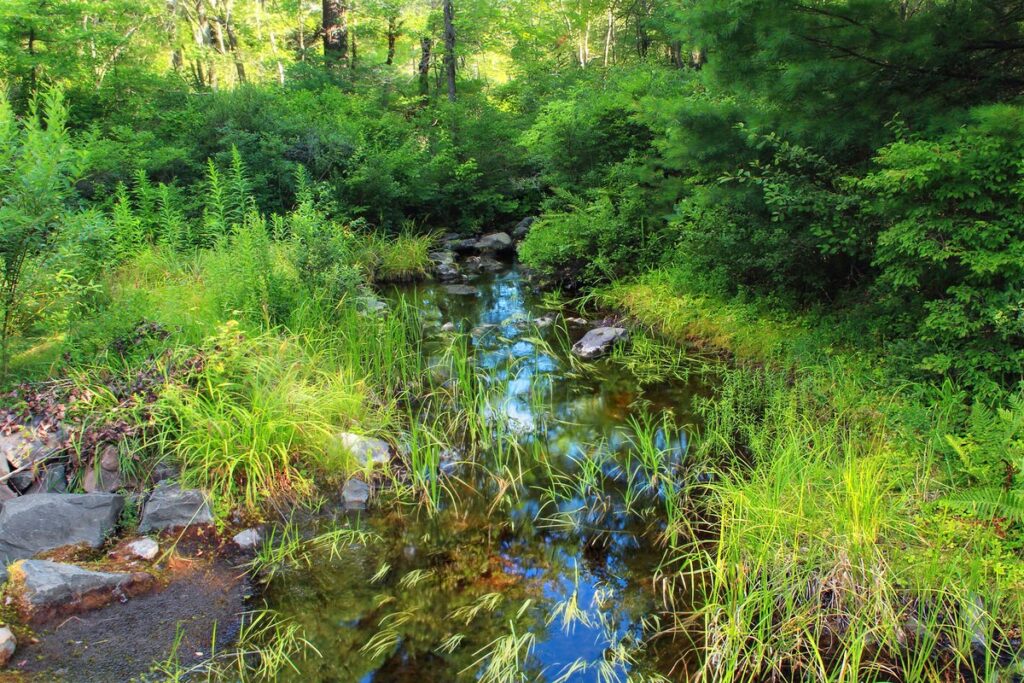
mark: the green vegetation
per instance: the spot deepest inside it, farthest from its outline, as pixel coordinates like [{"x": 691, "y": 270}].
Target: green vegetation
[{"x": 816, "y": 209}]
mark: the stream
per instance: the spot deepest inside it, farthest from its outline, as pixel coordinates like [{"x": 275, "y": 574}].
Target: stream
[{"x": 564, "y": 587}]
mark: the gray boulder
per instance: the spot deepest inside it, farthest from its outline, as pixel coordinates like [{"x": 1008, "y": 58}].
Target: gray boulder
[
  {"x": 599, "y": 341},
  {"x": 170, "y": 506},
  {"x": 495, "y": 241},
  {"x": 366, "y": 450},
  {"x": 43, "y": 588},
  {"x": 355, "y": 495},
  {"x": 33, "y": 524},
  {"x": 522, "y": 228},
  {"x": 466, "y": 246},
  {"x": 447, "y": 272},
  {"x": 462, "y": 290},
  {"x": 445, "y": 268},
  {"x": 483, "y": 264}
]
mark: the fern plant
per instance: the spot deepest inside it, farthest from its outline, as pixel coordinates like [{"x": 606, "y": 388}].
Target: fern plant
[
  {"x": 239, "y": 200},
  {"x": 215, "y": 213}
]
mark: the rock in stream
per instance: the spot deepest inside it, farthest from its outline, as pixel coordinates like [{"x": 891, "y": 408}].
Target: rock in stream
[{"x": 599, "y": 341}]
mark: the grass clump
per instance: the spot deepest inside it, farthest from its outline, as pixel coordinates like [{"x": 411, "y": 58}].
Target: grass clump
[
  {"x": 401, "y": 258},
  {"x": 256, "y": 422}
]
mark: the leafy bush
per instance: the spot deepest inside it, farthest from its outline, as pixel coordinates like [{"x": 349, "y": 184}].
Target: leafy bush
[
  {"x": 951, "y": 254},
  {"x": 592, "y": 241}
]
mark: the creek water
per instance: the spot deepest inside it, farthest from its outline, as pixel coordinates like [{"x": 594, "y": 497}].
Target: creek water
[{"x": 566, "y": 586}]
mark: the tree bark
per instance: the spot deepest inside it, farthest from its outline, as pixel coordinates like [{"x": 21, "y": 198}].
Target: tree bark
[
  {"x": 392, "y": 39},
  {"x": 449, "y": 47},
  {"x": 426, "y": 44},
  {"x": 335, "y": 31}
]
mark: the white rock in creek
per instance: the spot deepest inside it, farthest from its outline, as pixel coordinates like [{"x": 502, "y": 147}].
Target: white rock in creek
[
  {"x": 366, "y": 450},
  {"x": 144, "y": 548},
  {"x": 248, "y": 538},
  {"x": 8, "y": 644},
  {"x": 598, "y": 341},
  {"x": 546, "y": 320},
  {"x": 355, "y": 494}
]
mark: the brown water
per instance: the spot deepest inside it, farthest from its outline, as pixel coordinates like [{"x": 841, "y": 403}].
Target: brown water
[{"x": 433, "y": 597}]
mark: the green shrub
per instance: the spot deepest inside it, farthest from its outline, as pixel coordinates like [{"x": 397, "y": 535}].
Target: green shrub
[
  {"x": 951, "y": 254},
  {"x": 593, "y": 241}
]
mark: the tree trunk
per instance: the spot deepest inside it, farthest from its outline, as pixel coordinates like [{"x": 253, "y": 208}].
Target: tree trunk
[
  {"x": 392, "y": 39},
  {"x": 698, "y": 58},
  {"x": 609, "y": 35},
  {"x": 449, "y": 47},
  {"x": 335, "y": 30},
  {"x": 676, "y": 54},
  {"x": 236, "y": 51},
  {"x": 426, "y": 44}
]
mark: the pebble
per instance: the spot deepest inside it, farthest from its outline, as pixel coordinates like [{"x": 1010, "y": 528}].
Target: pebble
[{"x": 144, "y": 548}]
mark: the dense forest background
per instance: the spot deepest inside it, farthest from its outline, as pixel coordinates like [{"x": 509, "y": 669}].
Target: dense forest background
[{"x": 860, "y": 160}]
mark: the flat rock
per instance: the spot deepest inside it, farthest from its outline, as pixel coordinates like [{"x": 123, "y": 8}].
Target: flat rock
[
  {"x": 599, "y": 341},
  {"x": 448, "y": 327},
  {"x": 144, "y": 548},
  {"x": 355, "y": 494},
  {"x": 247, "y": 539},
  {"x": 495, "y": 241},
  {"x": 43, "y": 589},
  {"x": 27, "y": 446},
  {"x": 170, "y": 506},
  {"x": 367, "y": 450},
  {"x": 33, "y": 524},
  {"x": 462, "y": 290}
]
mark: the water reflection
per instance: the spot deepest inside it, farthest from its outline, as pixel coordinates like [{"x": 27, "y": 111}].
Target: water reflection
[{"x": 569, "y": 581}]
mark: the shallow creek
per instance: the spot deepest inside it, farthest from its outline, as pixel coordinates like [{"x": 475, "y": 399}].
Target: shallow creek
[{"x": 568, "y": 587}]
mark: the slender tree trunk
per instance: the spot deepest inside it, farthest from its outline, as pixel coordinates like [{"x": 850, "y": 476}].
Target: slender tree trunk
[
  {"x": 449, "y": 47},
  {"x": 236, "y": 51},
  {"x": 392, "y": 39},
  {"x": 335, "y": 30},
  {"x": 426, "y": 45},
  {"x": 609, "y": 35},
  {"x": 280, "y": 66},
  {"x": 676, "y": 54}
]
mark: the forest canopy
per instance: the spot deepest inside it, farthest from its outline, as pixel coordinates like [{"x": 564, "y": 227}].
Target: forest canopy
[{"x": 860, "y": 156}]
